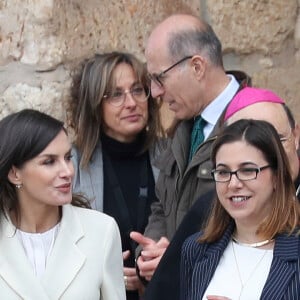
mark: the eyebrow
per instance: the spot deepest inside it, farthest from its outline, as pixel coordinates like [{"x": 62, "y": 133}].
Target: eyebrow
[
  {"x": 240, "y": 165},
  {"x": 53, "y": 155},
  {"x": 133, "y": 84}
]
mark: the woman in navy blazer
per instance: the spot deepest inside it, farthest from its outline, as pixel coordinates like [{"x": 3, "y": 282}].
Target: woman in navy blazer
[
  {"x": 250, "y": 247},
  {"x": 49, "y": 248}
]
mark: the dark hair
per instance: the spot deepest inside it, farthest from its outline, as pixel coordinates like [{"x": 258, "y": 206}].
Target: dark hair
[
  {"x": 284, "y": 217},
  {"x": 290, "y": 116},
  {"x": 200, "y": 40},
  {"x": 24, "y": 135},
  {"x": 90, "y": 84}
]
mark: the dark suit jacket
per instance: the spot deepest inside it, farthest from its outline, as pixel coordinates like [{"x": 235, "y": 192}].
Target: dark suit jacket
[
  {"x": 165, "y": 282},
  {"x": 199, "y": 262}
]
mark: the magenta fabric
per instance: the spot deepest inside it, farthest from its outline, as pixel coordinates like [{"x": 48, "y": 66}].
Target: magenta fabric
[{"x": 248, "y": 96}]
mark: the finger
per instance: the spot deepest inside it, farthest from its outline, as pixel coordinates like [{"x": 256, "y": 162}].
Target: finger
[
  {"x": 133, "y": 283},
  {"x": 163, "y": 242},
  {"x": 129, "y": 272},
  {"x": 153, "y": 253},
  {"x": 126, "y": 254},
  {"x": 141, "y": 239},
  {"x": 148, "y": 267}
]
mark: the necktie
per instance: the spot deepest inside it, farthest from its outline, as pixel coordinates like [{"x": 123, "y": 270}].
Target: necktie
[{"x": 197, "y": 136}]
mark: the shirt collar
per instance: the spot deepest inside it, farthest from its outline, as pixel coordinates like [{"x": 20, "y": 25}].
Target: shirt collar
[{"x": 213, "y": 111}]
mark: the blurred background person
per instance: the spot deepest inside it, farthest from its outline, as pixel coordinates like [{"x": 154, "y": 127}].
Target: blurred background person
[
  {"x": 249, "y": 248},
  {"x": 49, "y": 248},
  {"x": 117, "y": 130}
]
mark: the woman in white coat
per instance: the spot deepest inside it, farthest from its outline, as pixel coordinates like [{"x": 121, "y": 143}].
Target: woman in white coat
[{"x": 51, "y": 247}]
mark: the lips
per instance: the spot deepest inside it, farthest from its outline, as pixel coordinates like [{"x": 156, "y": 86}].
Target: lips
[
  {"x": 64, "y": 188},
  {"x": 132, "y": 118}
]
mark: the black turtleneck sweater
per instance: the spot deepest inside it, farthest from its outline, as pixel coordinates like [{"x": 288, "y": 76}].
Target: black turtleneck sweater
[{"x": 130, "y": 212}]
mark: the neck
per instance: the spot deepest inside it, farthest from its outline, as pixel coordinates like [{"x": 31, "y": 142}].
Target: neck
[
  {"x": 247, "y": 234},
  {"x": 37, "y": 220},
  {"x": 253, "y": 245},
  {"x": 217, "y": 81}
]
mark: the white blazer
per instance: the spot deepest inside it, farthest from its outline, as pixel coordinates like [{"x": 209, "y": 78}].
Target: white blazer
[{"x": 85, "y": 263}]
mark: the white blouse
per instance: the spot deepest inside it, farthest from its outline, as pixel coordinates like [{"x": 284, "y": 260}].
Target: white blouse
[
  {"x": 241, "y": 273},
  {"x": 38, "y": 247}
]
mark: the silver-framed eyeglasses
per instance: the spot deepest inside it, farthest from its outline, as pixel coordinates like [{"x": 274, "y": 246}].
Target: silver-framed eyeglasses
[
  {"x": 118, "y": 96},
  {"x": 243, "y": 174},
  {"x": 157, "y": 78}
]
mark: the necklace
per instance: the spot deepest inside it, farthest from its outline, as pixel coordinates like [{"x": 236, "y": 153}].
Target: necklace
[
  {"x": 243, "y": 284},
  {"x": 253, "y": 245}
]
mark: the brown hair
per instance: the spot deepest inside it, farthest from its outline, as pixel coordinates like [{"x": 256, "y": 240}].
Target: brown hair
[
  {"x": 90, "y": 84},
  {"x": 284, "y": 217}
]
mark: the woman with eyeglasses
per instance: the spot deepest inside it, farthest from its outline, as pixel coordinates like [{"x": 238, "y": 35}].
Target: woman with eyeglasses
[
  {"x": 117, "y": 128},
  {"x": 250, "y": 246}
]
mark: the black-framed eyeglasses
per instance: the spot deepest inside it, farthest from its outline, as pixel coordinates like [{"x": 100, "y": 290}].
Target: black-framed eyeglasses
[
  {"x": 157, "y": 78},
  {"x": 117, "y": 97},
  {"x": 243, "y": 174}
]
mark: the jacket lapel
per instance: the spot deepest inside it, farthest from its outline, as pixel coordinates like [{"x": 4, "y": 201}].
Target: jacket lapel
[
  {"x": 89, "y": 181},
  {"x": 15, "y": 268},
  {"x": 66, "y": 259},
  {"x": 208, "y": 264},
  {"x": 283, "y": 268}
]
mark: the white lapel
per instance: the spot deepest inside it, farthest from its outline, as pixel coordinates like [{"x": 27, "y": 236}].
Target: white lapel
[
  {"x": 66, "y": 259},
  {"x": 15, "y": 268}
]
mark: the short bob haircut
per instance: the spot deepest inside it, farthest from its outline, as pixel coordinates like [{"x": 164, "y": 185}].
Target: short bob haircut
[
  {"x": 284, "y": 217},
  {"x": 24, "y": 135},
  {"x": 90, "y": 84}
]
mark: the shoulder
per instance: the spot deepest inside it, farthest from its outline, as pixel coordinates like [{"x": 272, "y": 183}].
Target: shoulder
[
  {"x": 192, "y": 242},
  {"x": 158, "y": 147},
  {"x": 90, "y": 217},
  {"x": 76, "y": 153}
]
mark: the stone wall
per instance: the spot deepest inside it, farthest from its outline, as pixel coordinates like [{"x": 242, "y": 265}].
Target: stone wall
[{"x": 41, "y": 39}]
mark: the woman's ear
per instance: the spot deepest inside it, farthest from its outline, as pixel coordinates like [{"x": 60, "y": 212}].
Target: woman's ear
[{"x": 14, "y": 176}]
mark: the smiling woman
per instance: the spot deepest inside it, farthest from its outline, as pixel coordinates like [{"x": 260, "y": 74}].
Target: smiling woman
[
  {"x": 253, "y": 228},
  {"x": 43, "y": 230}
]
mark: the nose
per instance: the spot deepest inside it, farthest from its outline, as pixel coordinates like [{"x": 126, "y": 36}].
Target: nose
[
  {"x": 235, "y": 182},
  {"x": 129, "y": 100},
  {"x": 156, "y": 90},
  {"x": 66, "y": 169}
]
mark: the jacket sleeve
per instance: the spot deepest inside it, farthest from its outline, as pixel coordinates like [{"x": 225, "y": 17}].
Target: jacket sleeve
[
  {"x": 156, "y": 227},
  {"x": 113, "y": 287}
]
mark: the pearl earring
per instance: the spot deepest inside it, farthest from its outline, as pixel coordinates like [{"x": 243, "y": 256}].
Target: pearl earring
[{"x": 19, "y": 185}]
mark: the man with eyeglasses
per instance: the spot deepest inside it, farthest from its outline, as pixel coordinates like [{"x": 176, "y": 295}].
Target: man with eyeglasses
[
  {"x": 184, "y": 61},
  {"x": 249, "y": 103}
]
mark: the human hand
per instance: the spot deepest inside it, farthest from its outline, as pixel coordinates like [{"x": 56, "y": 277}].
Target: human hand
[
  {"x": 132, "y": 281},
  {"x": 151, "y": 254},
  {"x": 214, "y": 297}
]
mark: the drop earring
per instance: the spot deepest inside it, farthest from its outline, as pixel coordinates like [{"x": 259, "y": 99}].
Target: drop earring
[{"x": 19, "y": 185}]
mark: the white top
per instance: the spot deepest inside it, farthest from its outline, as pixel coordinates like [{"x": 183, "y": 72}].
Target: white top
[
  {"x": 213, "y": 111},
  {"x": 38, "y": 247},
  {"x": 240, "y": 263}
]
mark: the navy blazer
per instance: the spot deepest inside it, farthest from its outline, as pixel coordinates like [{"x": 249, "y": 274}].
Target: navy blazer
[{"x": 200, "y": 260}]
